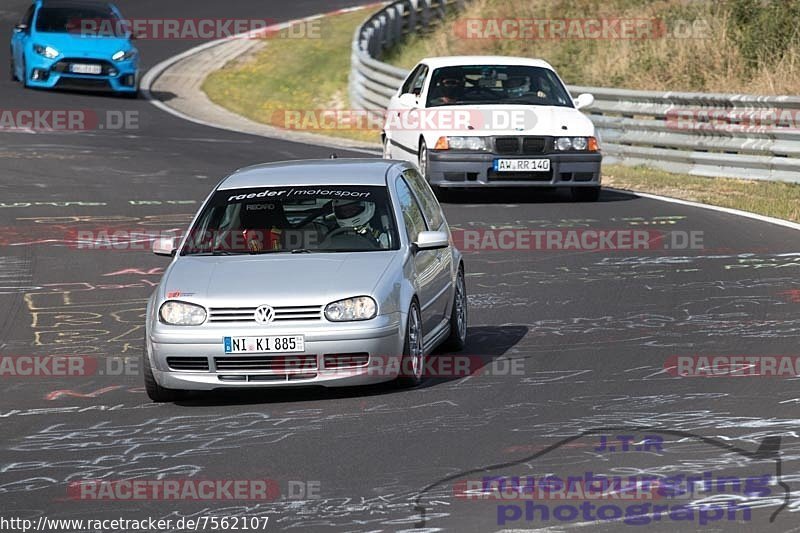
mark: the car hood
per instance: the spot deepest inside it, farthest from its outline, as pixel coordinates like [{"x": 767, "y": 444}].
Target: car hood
[
  {"x": 277, "y": 280},
  {"x": 523, "y": 120},
  {"x": 70, "y": 45}
]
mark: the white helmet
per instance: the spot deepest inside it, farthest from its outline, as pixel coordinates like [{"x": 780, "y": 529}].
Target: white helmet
[{"x": 353, "y": 213}]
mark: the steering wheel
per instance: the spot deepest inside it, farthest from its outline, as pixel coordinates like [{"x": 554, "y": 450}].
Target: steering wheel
[
  {"x": 478, "y": 90},
  {"x": 348, "y": 230}
]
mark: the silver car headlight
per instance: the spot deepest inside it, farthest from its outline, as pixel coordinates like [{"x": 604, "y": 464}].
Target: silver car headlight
[
  {"x": 124, "y": 55},
  {"x": 182, "y": 314},
  {"x": 47, "y": 51},
  {"x": 349, "y": 309}
]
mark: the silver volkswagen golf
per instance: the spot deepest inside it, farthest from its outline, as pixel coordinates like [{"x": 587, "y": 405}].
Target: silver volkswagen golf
[{"x": 332, "y": 272}]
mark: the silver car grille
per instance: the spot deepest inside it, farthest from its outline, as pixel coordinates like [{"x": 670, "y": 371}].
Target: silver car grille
[
  {"x": 274, "y": 363},
  {"x": 282, "y": 314}
]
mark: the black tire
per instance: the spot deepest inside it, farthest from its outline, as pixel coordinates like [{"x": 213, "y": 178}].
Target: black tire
[
  {"x": 424, "y": 163},
  {"x": 412, "y": 367},
  {"x": 13, "y": 67},
  {"x": 423, "y": 160},
  {"x": 458, "y": 315},
  {"x": 156, "y": 392},
  {"x": 585, "y": 194},
  {"x": 25, "y": 74},
  {"x": 386, "y": 149}
]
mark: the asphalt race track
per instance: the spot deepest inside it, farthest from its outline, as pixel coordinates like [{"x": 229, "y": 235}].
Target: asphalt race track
[{"x": 571, "y": 345}]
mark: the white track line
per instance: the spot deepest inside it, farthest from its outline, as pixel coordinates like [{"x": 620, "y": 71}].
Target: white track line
[
  {"x": 728, "y": 210},
  {"x": 154, "y": 73}
]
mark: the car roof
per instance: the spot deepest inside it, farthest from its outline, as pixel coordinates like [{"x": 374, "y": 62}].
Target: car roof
[
  {"x": 311, "y": 172},
  {"x": 459, "y": 61}
]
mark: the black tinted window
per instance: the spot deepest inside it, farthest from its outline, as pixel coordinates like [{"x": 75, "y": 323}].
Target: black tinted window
[
  {"x": 496, "y": 84},
  {"x": 87, "y": 20}
]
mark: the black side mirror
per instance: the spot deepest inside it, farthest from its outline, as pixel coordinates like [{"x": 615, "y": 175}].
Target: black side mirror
[{"x": 19, "y": 28}]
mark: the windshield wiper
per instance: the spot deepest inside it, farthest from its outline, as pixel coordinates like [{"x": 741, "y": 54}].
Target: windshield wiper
[
  {"x": 301, "y": 251},
  {"x": 215, "y": 252}
]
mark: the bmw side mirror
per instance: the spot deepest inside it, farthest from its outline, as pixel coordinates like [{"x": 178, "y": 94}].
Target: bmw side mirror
[
  {"x": 431, "y": 240},
  {"x": 20, "y": 28},
  {"x": 164, "y": 246},
  {"x": 584, "y": 100}
]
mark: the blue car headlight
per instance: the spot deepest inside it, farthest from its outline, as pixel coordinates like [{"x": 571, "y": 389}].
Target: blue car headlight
[
  {"x": 125, "y": 55},
  {"x": 47, "y": 51}
]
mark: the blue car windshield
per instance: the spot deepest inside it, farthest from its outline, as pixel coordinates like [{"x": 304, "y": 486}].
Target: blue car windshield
[
  {"x": 294, "y": 220},
  {"x": 95, "y": 21}
]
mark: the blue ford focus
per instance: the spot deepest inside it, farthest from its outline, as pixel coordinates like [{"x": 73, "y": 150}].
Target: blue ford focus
[{"x": 74, "y": 44}]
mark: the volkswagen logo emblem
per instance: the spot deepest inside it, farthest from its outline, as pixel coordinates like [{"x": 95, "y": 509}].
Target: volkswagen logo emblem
[{"x": 264, "y": 314}]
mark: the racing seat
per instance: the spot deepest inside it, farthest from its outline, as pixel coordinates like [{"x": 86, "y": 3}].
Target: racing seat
[{"x": 264, "y": 225}]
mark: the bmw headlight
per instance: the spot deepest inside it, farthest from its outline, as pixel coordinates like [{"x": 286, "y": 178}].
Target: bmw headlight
[
  {"x": 124, "y": 55},
  {"x": 580, "y": 144},
  {"x": 182, "y": 314},
  {"x": 563, "y": 144},
  {"x": 360, "y": 308},
  {"x": 461, "y": 143},
  {"x": 47, "y": 51}
]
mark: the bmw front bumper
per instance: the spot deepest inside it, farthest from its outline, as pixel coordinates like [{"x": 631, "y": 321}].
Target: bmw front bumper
[
  {"x": 476, "y": 169},
  {"x": 380, "y": 339}
]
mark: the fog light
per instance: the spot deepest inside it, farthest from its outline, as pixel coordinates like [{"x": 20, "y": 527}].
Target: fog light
[{"x": 40, "y": 75}]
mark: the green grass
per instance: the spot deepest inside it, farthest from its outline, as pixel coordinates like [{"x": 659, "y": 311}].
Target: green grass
[
  {"x": 293, "y": 75},
  {"x": 775, "y": 199},
  {"x": 299, "y": 74},
  {"x": 742, "y": 46}
]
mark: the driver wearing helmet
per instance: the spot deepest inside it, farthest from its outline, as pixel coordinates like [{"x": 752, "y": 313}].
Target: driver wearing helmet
[
  {"x": 517, "y": 86},
  {"x": 358, "y": 215},
  {"x": 448, "y": 88}
]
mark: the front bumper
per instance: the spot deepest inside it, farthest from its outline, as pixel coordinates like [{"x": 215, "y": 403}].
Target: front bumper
[
  {"x": 381, "y": 340},
  {"x": 475, "y": 169},
  {"x": 44, "y": 73}
]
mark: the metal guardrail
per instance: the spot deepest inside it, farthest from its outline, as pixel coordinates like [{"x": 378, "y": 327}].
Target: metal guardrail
[
  {"x": 372, "y": 82},
  {"x": 705, "y": 134}
]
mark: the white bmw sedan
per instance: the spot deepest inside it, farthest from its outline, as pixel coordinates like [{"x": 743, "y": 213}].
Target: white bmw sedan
[
  {"x": 486, "y": 121},
  {"x": 332, "y": 272}
]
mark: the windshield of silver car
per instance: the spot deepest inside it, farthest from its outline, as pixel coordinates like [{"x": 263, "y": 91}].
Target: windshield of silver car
[{"x": 312, "y": 219}]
